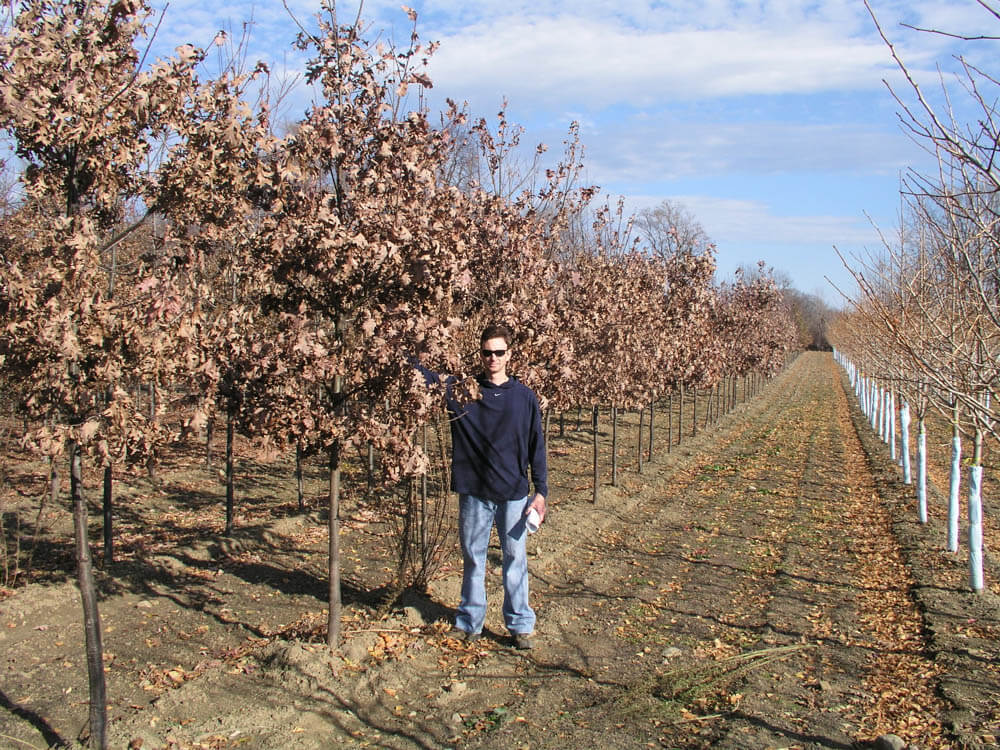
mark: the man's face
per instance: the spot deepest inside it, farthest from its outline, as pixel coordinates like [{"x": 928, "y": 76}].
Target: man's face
[{"x": 494, "y": 363}]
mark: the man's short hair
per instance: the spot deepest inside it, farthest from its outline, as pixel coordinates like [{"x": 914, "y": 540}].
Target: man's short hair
[{"x": 497, "y": 331}]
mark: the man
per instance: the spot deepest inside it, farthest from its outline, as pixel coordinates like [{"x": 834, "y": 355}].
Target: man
[{"x": 495, "y": 439}]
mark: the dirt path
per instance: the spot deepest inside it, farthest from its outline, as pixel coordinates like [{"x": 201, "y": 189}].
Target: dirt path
[{"x": 764, "y": 586}]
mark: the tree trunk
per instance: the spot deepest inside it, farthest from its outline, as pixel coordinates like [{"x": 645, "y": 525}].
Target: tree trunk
[
  {"x": 614, "y": 446},
  {"x": 230, "y": 429},
  {"x": 300, "y": 489},
  {"x": 921, "y": 469},
  {"x": 405, "y": 540},
  {"x": 904, "y": 424},
  {"x": 371, "y": 471},
  {"x": 955, "y": 481},
  {"x": 424, "y": 543},
  {"x": 333, "y": 620},
  {"x": 892, "y": 425},
  {"x": 652, "y": 414},
  {"x": 694, "y": 412},
  {"x": 109, "y": 550},
  {"x": 91, "y": 616},
  {"x": 680, "y": 413},
  {"x": 151, "y": 460},
  {"x": 642, "y": 417},
  {"x": 670, "y": 419},
  {"x": 977, "y": 580},
  {"x": 596, "y": 477}
]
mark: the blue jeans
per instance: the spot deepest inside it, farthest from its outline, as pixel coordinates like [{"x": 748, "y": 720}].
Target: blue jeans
[{"x": 476, "y": 518}]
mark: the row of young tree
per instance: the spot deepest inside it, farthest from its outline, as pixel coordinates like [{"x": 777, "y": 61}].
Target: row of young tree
[
  {"x": 924, "y": 331},
  {"x": 165, "y": 248}
]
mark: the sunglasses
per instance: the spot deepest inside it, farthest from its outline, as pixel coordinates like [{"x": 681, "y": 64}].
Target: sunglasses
[{"x": 487, "y": 353}]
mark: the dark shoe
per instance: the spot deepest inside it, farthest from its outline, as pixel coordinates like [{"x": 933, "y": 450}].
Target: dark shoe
[
  {"x": 522, "y": 641},
  {"x": 464, "y": 635}
]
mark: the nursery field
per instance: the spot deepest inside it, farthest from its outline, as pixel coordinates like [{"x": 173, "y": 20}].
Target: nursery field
[{"x": 765, "y": 584}]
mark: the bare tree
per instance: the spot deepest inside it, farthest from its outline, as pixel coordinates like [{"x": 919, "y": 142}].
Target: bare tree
[{"x": 670, "y": 228}]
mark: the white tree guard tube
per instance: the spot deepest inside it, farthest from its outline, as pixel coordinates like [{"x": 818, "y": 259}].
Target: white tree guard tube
[
  {"x": 881, "y": 414},
  {"x": 953, "y": 493},
  {"x": 904, "y": 423},
  {"x": 875, "y": 390},
  {"x": 922, "y": 471},
  {"x": 976, "y": 528},
  {"x": 885, "y": 415},
  {"x": 892, "y": 425},
  {"x": 880, "y": 420}
]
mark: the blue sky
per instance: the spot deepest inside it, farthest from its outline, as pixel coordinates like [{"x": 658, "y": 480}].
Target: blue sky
[{"x": 768, "y": 120}]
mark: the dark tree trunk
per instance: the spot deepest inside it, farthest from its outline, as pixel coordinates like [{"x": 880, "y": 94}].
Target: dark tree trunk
[
  {"x": 652, "y": 415},
  {"x": 424, "y": 544},
  {"x": 91, "y": 616},
  {"x": 596, "y": 476},
  {"x": 151, "y": 459},
  {"x": 109, "y": 550},
  {"x": 670, "y": 419},
  {"x": 694, "y": 412},
  {"x": 230, "y": 481},
  {"x": 371, "y": 470},
  {"x": 614, "y": 446},
  {"x": 300, "y": 489},
  {"x": 333, "y": 620},
  {"x": 680, "y": 413},
  {"x": 642, "y": 417}
]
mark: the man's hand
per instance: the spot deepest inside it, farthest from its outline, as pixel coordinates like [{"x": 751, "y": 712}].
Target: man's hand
[{"x": 538, "y": 503}]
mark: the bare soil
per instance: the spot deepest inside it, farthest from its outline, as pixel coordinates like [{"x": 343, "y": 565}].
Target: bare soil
[{"x": 763, "y": 585}]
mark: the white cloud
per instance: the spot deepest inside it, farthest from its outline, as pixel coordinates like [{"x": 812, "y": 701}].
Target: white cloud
[
  {"x": 744, "y": 221},
  {"x": 558, "y": 60},
  {"x": 592, "y": 55},
  {"x": 663, "y": 150}
]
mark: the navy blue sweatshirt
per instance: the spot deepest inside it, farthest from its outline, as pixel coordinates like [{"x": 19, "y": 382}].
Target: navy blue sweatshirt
[{"x": 495, "y": 440}]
